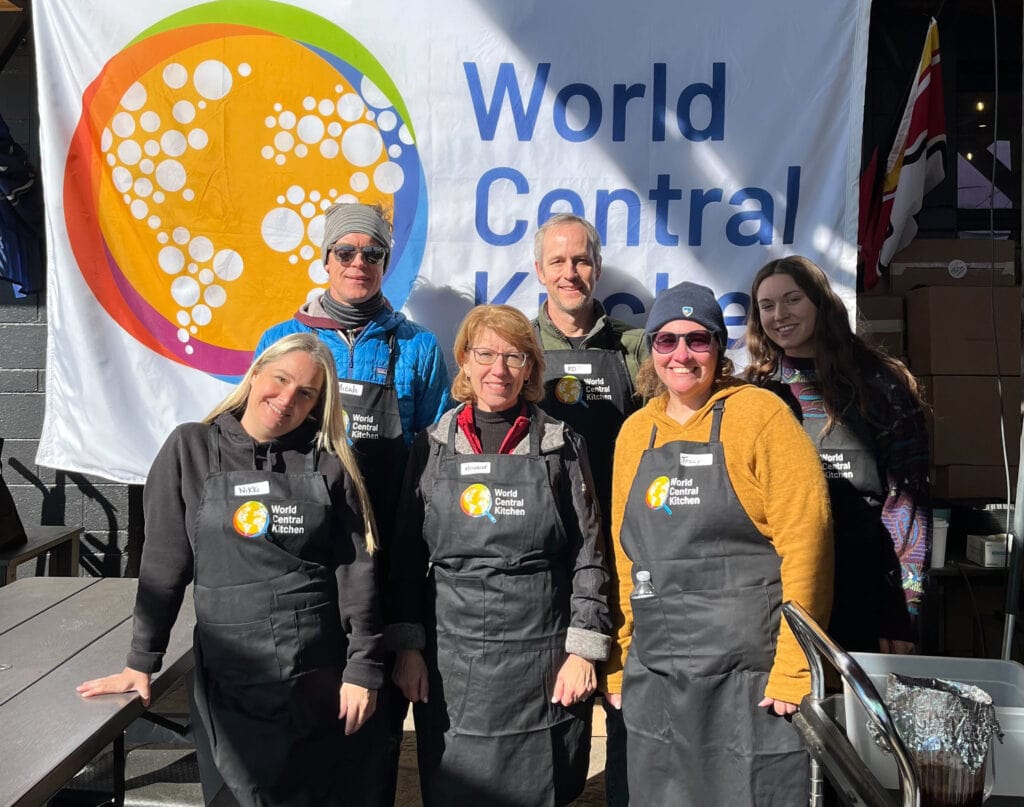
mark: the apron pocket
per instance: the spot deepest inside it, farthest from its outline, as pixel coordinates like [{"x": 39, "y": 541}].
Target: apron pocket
[
  {"x": 501, "y": 693},
  {"x": 243, "y": 652},
  {"x": 460, "y": 606},
  {"x": 726, "y": 630},
  {"x": 651, "y": 643},
  {"x": 645, "y": 701}
]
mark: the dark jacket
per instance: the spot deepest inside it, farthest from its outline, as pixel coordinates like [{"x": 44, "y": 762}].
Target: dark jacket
[{"x": 171, "y": 500}]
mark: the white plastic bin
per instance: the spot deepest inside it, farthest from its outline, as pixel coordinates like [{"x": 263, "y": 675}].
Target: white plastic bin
[{"x": 1003, "y": 680}]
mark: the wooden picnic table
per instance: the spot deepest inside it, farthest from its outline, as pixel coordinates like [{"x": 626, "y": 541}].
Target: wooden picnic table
[{"x": 56, "y": 632}]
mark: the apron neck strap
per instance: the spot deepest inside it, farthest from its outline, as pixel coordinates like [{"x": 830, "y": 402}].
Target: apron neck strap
[
  {"x": 389, "y": 379},
  {"x": 453, "y": 429},
  {"x": 716, "y": 419},
  {"x": 716, "y": 424},
  {"x": 213, "y": 445},
  {"x": 536, "y": 429}
]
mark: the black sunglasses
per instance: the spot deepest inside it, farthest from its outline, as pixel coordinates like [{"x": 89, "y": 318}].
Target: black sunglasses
[
  {"x": 346, "y": 253},
  {"x": 696, "y": 341}
]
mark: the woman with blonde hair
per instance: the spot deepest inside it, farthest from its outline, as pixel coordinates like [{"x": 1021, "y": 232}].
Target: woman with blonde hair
[
  {"x": 260, "y": 506},
  {"x": 497, "y": 583},
  {"x": 863, "y": 411}
]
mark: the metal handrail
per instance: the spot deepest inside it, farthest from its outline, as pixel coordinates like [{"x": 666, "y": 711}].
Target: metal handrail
[{"x": 816, "y": 644}]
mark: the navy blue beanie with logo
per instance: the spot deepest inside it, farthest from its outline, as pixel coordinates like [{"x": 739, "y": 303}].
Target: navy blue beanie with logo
[{"x": 689, "y": 301}]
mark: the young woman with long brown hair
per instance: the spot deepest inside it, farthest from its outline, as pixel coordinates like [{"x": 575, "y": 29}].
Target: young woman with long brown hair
[{"x": 863, "y": 410}]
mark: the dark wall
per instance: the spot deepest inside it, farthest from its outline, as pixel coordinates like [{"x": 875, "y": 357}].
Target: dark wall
[{"x": 45, "y": 495}]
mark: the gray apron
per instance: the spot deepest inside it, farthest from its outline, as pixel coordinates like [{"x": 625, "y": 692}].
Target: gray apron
[
  {"x": 703, "y": 646},
  {"x": 373, "y": 424},
  {"x": 868, "y": 581},
  {"x": 501, "y": 585},
  {"x": 374, "y": 427},
  {"x": 590, "y": 390},
  {"x": 269, "y": 646}
]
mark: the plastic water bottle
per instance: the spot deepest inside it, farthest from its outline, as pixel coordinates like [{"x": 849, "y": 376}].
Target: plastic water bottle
[{"x": 644, "y": 589}]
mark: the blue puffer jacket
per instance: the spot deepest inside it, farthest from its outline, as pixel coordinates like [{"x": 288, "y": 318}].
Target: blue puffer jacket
[{"x": 421, "y": 377}]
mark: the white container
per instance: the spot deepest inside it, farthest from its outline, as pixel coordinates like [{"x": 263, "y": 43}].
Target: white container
[
  {"x": 940, "y": 528},
  {"x": 1003, "y": 680}
]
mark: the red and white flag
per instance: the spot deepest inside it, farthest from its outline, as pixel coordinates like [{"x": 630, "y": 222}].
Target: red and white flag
[{"x": 915, "y": 165}]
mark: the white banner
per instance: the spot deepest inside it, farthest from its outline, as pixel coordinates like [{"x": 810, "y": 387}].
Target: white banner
[{"x": 189, "y": 150}]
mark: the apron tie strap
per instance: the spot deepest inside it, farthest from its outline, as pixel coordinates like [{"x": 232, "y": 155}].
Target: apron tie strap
[
  {"x": 213, "y": 446},
  {"x": 716, "y": 420}
]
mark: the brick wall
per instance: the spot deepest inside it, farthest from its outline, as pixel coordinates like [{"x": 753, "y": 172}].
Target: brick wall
[{"x": 107, "y": 511}]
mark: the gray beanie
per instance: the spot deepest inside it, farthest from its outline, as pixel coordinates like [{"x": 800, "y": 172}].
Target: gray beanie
[
  {"x": 352, "y": 217},
  {"x": 689, "y": 301}
]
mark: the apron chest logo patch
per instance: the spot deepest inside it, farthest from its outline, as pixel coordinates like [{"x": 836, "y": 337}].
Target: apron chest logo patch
[
  {"x": 478, "y": 501},
  {"x": 251, "y": 519},
  {"x": 570, "y": 390},
  {"x": 664, "y": 493},
  {"x": 253, "y": 489}
]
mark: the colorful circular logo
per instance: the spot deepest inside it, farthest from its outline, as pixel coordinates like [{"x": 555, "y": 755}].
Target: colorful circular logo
[
  {"x": 207, "y": 152},
  {"x": 569, "y": 390},
  {"x": 657, "y": 494},
  {"x": 251, "y": 520},
  {"x": 476, "y": 501}
]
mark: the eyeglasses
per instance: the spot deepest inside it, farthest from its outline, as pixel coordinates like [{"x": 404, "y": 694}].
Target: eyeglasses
[
  {"x": 696, "y": 341},
  {"x": 346, "y": 253},
  {"x": 515, "y": 361}
]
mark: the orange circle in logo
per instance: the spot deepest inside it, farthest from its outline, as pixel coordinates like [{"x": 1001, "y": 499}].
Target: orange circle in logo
[
  {"x": 251, "y": 519},
  {"x": 475, "y": 500},
  {"x": 657, "y": 493}
]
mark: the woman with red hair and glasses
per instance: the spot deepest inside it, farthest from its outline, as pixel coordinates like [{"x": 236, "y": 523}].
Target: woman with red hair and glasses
[
  {"x": 719, "y": 501},
  {"x": 498, "y": 585},
  {"x": 863, "y": 411}
]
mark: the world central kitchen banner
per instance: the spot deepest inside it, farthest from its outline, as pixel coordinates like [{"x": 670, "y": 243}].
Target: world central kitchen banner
[{"x": 190, "y": 150}]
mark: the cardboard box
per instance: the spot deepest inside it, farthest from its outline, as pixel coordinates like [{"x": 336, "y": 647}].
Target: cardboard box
[
  {"x": 963, "y": 422},
  {"x": 880, "y": 322},
  {"x": 987, "y": 550},
  {"x": 971, "y": 481},
  {"x": 953, "y": 262},
  {"x": 963, "y": 330}
]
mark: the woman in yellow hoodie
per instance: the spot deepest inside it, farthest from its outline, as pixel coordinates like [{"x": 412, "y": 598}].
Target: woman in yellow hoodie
[{"x": 719, "y": 501}]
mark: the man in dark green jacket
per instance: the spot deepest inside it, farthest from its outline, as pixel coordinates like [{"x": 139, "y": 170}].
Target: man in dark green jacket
[{"x": 592, "y": 361}]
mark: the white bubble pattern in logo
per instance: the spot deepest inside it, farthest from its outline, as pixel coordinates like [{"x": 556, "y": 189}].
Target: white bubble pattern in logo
[
  {"x": 348, "y": 125},
  {"x": 124, "y": 144}
]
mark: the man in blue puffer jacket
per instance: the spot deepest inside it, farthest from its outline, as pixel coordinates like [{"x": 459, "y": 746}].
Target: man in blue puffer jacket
[{"x": 393, "y": 383}]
